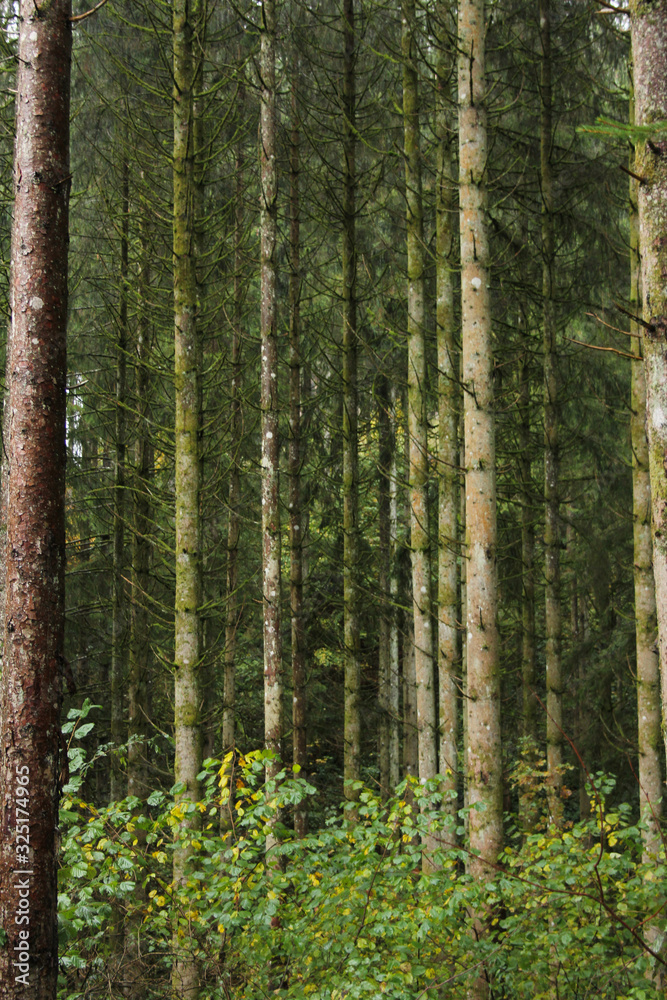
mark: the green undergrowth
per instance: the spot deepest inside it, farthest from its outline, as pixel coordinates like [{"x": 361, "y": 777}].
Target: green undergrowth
[{"x": 347, "y": 912}]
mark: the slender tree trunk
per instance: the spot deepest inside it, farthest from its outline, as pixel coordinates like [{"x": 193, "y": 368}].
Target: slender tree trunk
[
  {"x": 394, "y": 654},
  {"x": 551, "y": 490},
  {"x": 527, "y": 801},
  {"x": 295, "y": 464},
  {"x": 387, "y": 445},
  {"x": 649, "y": 53},
  {"x": 118, "y": 629},
  {"x": 449, "y": 663},
  {"x": 648, "y": 668},
  {"x": 351, "y": 766},
  {"x": 233, "y": 608},
  {"x": 417, "y": 423},
  {"x": 187, "y": 638},
  {"x": 273, "y": 679},
  {"x": 34, "y": 556},
  {"x": 484, "y": 764},
  {"x": 139, "y": 643}
]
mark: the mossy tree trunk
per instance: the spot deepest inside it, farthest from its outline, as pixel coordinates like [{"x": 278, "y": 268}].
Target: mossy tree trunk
[
  {"x": 449, "y": 664},
  {"x": 188, "y": 629},
  {"x": 418, "y": 474},
  {"x": 273, "y": 677},
  {"x": 352, "y": 735},
  {"x": 649, "y": 55}
]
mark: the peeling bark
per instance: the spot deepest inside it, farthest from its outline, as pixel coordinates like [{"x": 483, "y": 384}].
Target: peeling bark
[{"x": 34, "y": 611}]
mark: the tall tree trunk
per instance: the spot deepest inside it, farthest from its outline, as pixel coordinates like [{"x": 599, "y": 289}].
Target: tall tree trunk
[
  {"x": 484, "y": 764},
  {"x": 34, "y": 556},
  {"x": 554, "y": 679},
  {"x": 118, "y": 628},
  {"x": 139, "y": 642},
  {"x": 187, "y": 637},
  {"x": 527, "y": 801},
  {"x": 295, "y": 464},
  {"x": 387, "y": 720},
  {"x": 649, "y": 54},
  {"x": 351, "y": 764},
  {"x": 420, "y": 540},
  {"x": 232, "y": 603},
  {"x": 648, "y": 668},
  {"x": 273, "y": 680},
  {"x": 448, "y": 439}
]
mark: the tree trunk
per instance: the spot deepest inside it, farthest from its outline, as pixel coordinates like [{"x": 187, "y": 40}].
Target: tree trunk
[
  {"x": 295, "y": 464},
  {"x": 417, "y": 424},
  {"x": 448, "y": 441},
  {"x": 649, "y": 53},
  {"x": 34, "y": 557},
  {"x": 139, "y": 641},
  {"x": 387, "y": 447},
  {"x": 118, "y": 629},
  {"x": 484, "y": 764},
  {"x": 352, "y": 736},
  {"x": 273, "y": 682},
  {"x": 554, "y": 680},
  {"x": 648, "y": 669},
  {"x": 232, "y": 603},
  {"x": 527, "y": 800},
  {"x": 187, "y": 637}
]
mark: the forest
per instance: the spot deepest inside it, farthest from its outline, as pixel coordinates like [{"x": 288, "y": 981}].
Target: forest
[{"x": 334, "y": 499}]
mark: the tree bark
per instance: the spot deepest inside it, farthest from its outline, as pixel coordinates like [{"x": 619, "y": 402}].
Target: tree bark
[
  {"x": 352, "y": 736},
  {"x": 649, "y": 54},
  {"x": 484, "y": 764},
  {"x": 295, "y": 465},
  {"x": 187, "y": 637},
  {"x": 648, "y": 668},
  {"x": 420, "y": 540},
  {"x": 449, "y": 663},
  {"x": 554, "y": 679},
  {"x": 34, "y": 558},
  {"x": 273, "y": 681},
  {"x": 118, "y": 625}
]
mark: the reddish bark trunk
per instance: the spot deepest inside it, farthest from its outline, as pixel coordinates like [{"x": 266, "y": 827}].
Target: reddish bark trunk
[{"x": 35, "y": 547}]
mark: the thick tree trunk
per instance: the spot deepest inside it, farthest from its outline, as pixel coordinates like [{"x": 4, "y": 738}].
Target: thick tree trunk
[
  {"x": 449, "y": 663},
  {"x": 554, "y": 680},
  {"x": 187, "y": 637},
  {"x": 351, "y": 772},
  {"x": 417, "y": 423},
  {"x": 273, "y": 678},
  {"x": 295, "y": 465},
  {"x": 34, "y": 556},
  {"x": 648, "y": 668},
  {"x": 484, "y": 764},
  {"x": 649, "y": 52},
  {"x": 118, "y": 627}
]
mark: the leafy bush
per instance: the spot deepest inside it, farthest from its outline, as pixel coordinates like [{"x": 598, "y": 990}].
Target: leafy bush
[{"x": 346, "y": 912}]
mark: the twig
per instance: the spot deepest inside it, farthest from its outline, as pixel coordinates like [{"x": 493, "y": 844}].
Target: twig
[
  {"x": 637, "y": 319},
  {"x": 610, "y": 327},
  {"x": 594, "y": 347},
  {"x": 630, "y": 173},
  {"x": 82, "y": 17}
]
